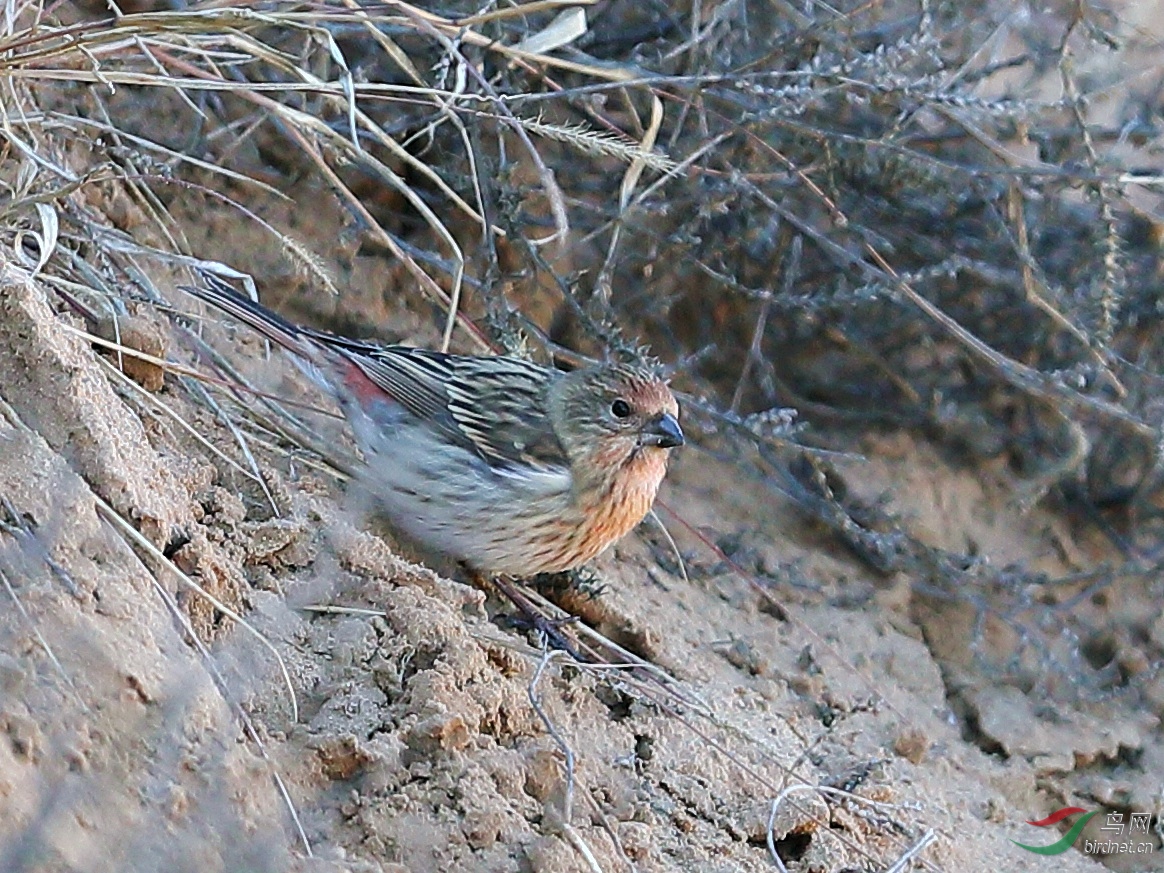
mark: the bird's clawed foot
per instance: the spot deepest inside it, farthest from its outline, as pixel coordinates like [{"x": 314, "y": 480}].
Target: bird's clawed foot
[
  {"x": 580, "y": 580},
  {"x": 532, "y": 617}
]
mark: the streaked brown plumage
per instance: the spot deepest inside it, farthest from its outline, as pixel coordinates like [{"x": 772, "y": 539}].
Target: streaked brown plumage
[{"x": 506, "y": 466}]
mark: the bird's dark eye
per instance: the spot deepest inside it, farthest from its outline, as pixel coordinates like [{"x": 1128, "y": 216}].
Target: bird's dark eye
[{"x": 620, "y": 408}]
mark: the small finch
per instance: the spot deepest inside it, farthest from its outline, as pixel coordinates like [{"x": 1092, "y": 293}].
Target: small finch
[{"x": 506, "y": 466}]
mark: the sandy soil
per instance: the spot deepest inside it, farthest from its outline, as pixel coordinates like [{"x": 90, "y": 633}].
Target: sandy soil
[{"x": 141, "y": 728}]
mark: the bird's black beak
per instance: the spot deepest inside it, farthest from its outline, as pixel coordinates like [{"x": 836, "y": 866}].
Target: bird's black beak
[{"x": 663, "y": 432}]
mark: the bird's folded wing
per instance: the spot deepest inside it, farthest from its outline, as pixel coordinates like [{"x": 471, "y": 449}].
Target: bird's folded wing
[
  {"x": 502, "y": 407},
  {"x": 495, "y": 407}
]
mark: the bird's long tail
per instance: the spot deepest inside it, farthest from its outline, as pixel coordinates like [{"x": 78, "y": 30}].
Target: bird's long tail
[{"x": 271, "y": 325}]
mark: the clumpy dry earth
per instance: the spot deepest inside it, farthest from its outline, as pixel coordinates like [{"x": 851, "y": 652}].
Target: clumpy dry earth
[{"x": 142, "y": 727}]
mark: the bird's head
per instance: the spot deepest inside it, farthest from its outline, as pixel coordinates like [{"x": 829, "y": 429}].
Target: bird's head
[{"x": 611, "y": 415}]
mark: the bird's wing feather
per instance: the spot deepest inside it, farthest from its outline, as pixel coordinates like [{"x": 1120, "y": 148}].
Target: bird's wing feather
[
  {"x": 495, "y": 407},
  {"x": 504, "y": 411}
]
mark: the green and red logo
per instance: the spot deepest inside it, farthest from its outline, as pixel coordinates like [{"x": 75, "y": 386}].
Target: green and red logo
[{"x": 1068, "y": 839}]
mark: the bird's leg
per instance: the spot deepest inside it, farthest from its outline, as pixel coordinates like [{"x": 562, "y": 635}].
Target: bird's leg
[
  {"x": 551, "y": 627},
  {"x": 583, "y": 580}
]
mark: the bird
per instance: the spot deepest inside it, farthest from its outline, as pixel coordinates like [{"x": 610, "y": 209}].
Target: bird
[{"x": 508, "y": 467}]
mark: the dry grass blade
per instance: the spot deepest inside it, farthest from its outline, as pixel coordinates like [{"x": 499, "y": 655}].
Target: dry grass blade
[
  {"x": 130, "y": 385},
  {"x": 601, "y": 143},
  {"x": 248, "y": 724},
  {"x": 136, "y": 539},
  {"x": 31, "y": 622}
]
